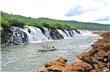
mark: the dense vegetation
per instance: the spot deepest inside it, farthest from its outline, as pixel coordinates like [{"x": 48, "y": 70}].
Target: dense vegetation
[{"x": 20, "y": 21}]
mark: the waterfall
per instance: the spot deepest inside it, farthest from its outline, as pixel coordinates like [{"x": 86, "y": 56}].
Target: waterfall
[
  {"x": 62, "y": 33},
  {"x": 47, "y": 33},
  {"x": 34, "y": 34},
  {"x": 72, "y": 33},
  {"x": 17, "y": 35},
  {"x": 75, "y": 33},
  {"x": 67, "y": 33}
]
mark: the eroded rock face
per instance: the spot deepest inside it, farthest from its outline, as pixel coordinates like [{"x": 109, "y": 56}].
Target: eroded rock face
[
  {"x": 13, "y": 35},
  {"x": 77, "y": 67},
  {"x": 99, "y": 56},
  {"x": 103, "y": 44},
  {"x": 56, "y": 65},
  {"x": 5, "y": 36},
  {"x": 103, "y": 34},
  {"x": 85, "y": 56},
  {"x": 42, "y": 69},
  {"x": 55, "y": 34},
  {"x": 70, "y": 33}
]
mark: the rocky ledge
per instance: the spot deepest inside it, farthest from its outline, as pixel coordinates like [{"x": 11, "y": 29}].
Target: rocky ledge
[{"x": 95, "y": 60}]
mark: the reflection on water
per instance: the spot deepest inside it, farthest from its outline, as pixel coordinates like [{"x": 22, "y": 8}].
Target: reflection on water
[{"x": 27, "y": 58}]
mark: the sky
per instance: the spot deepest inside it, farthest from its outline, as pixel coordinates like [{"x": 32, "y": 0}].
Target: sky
[{"x": 79, "y": 10}]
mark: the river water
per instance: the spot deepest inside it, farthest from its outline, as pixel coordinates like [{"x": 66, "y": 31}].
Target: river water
[{"x": 26, "y": 58}]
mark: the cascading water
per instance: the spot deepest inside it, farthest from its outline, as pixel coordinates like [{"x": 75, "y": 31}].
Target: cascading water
[
  {"x": 18, "y": 36},
  {"x": 34, "y": 34},
  {"x": 30, "y": 34},
  {"x": 47, "y": 33},
  {"x": 62, "y": 33},
  {"x": 67, "y": 33},
  {"x": 75, "y": 33},
  {"x": 71, "y": 33}
]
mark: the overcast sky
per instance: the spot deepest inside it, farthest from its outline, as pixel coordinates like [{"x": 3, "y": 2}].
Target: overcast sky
[{"x": 80, "y": 10}]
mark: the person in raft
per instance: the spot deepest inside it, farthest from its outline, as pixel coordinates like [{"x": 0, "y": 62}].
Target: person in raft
[{"x": 50, "y": 46}]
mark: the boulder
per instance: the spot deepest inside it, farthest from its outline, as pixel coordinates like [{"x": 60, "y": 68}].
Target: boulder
[
  {"x": 56, "y": 65},
  {"x": 79, "y": 66},
  {"x": 85, "y": 56},
  {"x": 55, "y": 34},
  {"x": 42, "y": 69}
]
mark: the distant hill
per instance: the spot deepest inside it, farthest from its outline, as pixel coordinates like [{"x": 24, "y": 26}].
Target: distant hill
[
  {"x": 18, "y": 20},
  {"x": 81, "y": 25}
]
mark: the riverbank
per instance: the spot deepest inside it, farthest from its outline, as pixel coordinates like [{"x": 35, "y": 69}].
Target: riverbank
[{"x": 95, "y": 60}]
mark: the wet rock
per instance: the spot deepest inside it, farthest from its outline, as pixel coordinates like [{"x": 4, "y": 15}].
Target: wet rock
[
  {"x": 6, "y": 36},
  {"x": 55, "y": 34},
  {"x": 78, "y": 31},
  {"x": 70, "y": 33},
  {"x": 65, "y": 32},
  {"x": 13, "y": 35}
]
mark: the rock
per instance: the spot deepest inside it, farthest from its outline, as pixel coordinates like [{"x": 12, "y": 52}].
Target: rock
[
  {"x": 65, "y": 32},
  {"x": 77, "y": 67},
  {"x": 42, "y": 69},
  {"x": 105, "y": 69},
  {"x": 93, "y": 70},
  {"x": 103, "y": 44},
  {"x": 55, "y": 68},
  {"x": 13, "y": 35},
  {"x": 78, "y": 31},
  {"x": 93, "y": 52},
  {"x": 70, "y": 33},
  {"x": 56, "y": 65},
  {"x": 55, "y": 34},
  {"x": 61, "y": 60},
  {"x": 102, "y": 53},
  {"x": 85, "y": 57},
  {"x": 103, "y": 34}
]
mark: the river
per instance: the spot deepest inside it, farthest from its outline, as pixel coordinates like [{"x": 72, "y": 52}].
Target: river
[{"x": 26, "y": 58}]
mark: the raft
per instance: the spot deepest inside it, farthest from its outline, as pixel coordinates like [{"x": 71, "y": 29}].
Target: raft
[{"x": 45, "y": 50}]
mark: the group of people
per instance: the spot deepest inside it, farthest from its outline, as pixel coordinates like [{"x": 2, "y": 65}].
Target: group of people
[{"x": 48, "y": 46}]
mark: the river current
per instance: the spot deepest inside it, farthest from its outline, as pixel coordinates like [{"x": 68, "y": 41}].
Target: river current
[{"x": 26, "y": 58}]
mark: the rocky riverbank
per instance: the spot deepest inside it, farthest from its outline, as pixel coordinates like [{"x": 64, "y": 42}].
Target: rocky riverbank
[{"x": 95, "y": 60}]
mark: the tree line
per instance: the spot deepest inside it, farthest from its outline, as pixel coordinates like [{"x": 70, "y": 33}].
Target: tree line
[{"x": 8, "y": 20}]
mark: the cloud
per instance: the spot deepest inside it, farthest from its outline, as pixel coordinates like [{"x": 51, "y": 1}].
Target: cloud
[
  {"x": 37, "y": 8},
  {"x": 90, "y": 11},
  {"x": 80, "y": 10},
  {"x": 75, "y": 11}
]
